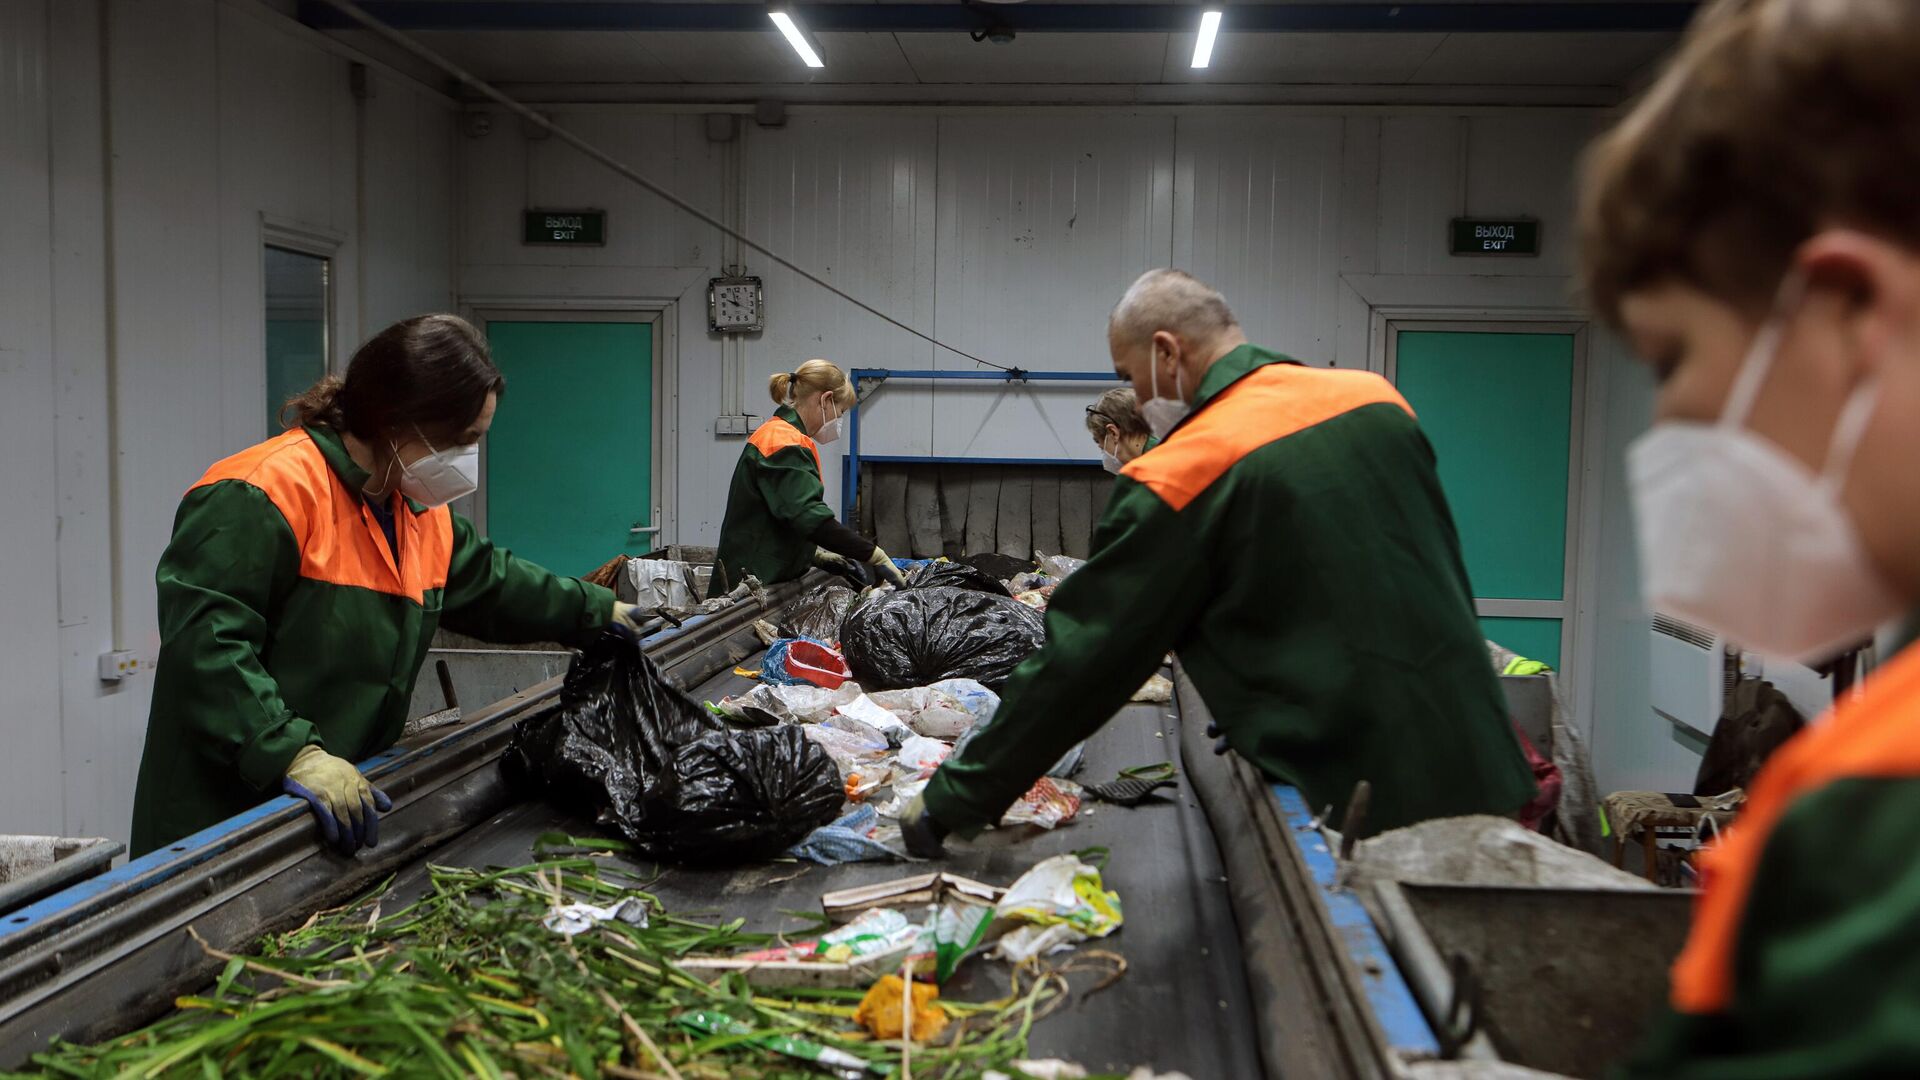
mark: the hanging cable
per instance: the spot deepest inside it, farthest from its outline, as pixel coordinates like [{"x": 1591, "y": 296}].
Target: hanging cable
[{"x": 354, "y": 12}]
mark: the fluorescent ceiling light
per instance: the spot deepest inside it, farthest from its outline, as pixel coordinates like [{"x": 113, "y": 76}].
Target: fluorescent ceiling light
[
  {"x": 791, "y": 32},
  {"x": 1203, "y": 48}
]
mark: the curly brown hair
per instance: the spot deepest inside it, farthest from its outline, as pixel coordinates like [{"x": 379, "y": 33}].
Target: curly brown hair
[{"x": 1775, "y": 119}]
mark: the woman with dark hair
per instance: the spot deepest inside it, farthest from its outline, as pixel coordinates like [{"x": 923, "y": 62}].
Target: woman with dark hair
[{"x": 306, "y": 577}]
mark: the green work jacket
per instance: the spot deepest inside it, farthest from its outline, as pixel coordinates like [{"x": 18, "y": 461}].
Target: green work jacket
[
  {"x": 285, "y": 620},
  {"x": 1803, "y": 956},
  {"x": 775, "y": 507},
  {"x": 1290, "y": 541}
]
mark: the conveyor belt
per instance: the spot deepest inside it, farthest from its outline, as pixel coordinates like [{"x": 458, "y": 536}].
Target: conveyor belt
[{"x": 1182, "y": 1005}]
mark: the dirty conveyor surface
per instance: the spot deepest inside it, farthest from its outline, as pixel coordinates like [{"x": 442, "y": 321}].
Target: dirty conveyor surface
[{"x": 1182, "y": 1004}]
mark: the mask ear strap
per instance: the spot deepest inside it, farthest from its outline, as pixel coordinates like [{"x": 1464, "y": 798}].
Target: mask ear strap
[
  {"x": 1855, "y": 415},
  {"x": 1760, "y": 355}
]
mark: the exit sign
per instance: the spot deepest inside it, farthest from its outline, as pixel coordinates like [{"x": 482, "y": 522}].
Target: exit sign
[
  {"x": 565, "y": 227},
  {"x": 1494, "y": 236}
]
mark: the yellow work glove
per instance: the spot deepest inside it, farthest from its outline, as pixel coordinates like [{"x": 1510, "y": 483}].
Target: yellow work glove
[
  {"x": 832, "y": 562},
  {"x": 628, "y": 615},
  {"x": 883, "y": 565},
  {"x": 347, "y": 808}
]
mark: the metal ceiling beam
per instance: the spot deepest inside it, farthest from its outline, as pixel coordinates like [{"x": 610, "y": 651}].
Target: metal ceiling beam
[{"x": 1454, "y": 16}]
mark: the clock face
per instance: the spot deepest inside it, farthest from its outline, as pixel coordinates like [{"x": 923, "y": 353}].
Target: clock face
[{"x": 735, "y": 304}]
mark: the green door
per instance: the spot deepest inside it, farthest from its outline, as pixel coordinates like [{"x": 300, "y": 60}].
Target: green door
[
  {"x": 570, "y": 456},
  {"x": 1498, "y": 408}
]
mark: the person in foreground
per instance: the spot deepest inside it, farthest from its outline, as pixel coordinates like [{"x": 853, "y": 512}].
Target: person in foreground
[
  {"x": 778, "y": 523},
  {"x": 306, "y": 577},
  {"x": 1117, "y": 428},
  {"x": 1288, "y": 537},
  {"x": 1753, "y": 225}
]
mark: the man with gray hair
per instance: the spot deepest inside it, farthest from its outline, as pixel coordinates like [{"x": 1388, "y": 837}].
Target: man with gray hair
[{"x": 1289, "y": 538}]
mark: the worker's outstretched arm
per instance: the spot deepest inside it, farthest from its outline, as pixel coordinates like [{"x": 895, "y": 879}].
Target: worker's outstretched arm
[
  {"x": 232, "y": 558},
  {"x": 1108, "y": 626},
  {"x": 497, "y": 596},
  {"x": 794, "y": 494}
]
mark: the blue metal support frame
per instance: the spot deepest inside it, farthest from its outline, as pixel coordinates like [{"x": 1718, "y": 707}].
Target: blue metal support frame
[
  {"x": 850, "y": 475},
  {"x": 189, "y": 853},
  {"x": 1390, "y": 998}
]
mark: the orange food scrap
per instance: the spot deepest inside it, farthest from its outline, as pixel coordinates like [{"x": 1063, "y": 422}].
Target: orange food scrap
[{"x": 880, "y": 1011}]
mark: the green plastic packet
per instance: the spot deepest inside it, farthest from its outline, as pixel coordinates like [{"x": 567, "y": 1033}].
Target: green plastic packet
[
  {"x": 712, "y": 1022},
  {"x": 958, "y": 928}
]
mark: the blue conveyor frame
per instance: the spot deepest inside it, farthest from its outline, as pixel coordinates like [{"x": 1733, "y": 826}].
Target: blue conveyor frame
[{"x": 850, "y": 475}]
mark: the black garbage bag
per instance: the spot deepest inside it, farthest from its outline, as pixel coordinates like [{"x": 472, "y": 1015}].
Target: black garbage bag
[
  {"x": 626, "y": 748},
  {"x": 818, "y": 615},
  {"x": 956, "y": 575},
  {"x": 913, "y": 637},
  {"x": 999, "y": 567}
]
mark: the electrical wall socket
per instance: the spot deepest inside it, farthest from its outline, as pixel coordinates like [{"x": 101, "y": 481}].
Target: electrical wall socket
[
  {"x": 118, "y": 666},
  {"x": 731, "y": 425}
]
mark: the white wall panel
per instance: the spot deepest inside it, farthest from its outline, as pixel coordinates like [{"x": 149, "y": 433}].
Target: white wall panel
[
  {"x": 1434, "y": 167},
  {"x": 1421, "y": 185},
  {"x": 168, "y": 317},
  {"x": 407, "y": 214},
  {"x": 30, "y": 793},
  {"x": 142, "y": 145},
  {"x": 284, "y": 147},
  {"x": 850, "y": 196},
  {"x": 1043, "y": 224},
  {"x": 1522, "y": 164},
  {"x": 102, "y": 725},
  {"x": 1257, "y": 214}
]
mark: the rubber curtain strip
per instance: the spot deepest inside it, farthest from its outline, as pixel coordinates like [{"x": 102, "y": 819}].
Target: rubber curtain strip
[{"x": 353, "y": 11}]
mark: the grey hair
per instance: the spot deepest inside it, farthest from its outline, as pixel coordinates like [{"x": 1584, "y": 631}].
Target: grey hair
[{"x": 1174, "y": 301}]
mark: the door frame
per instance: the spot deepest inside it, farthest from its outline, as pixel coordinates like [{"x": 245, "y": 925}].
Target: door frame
[
  {"x": 660, "y": 318},
  {"x": 1568, "y": 608}
]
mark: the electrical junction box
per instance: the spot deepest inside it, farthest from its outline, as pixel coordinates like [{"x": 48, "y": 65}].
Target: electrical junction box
[{"x": 121, "y": 665}]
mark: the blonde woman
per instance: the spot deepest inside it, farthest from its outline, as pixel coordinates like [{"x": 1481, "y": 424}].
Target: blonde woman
[
  {"x": 778, "y": 523},
  {"x": 1117, "y": 429}
]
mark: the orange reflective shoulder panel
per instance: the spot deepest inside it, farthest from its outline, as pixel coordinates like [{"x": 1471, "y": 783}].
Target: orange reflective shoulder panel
[
  {"x": 1875, "y": 735},
  {"x": 338, "y": 543},
  {"x": 1266, "y": 405},
  {"x": 284, "y": 468},
  {"x": 776, "y": 435},
  {"x": 427, "y": 552}
]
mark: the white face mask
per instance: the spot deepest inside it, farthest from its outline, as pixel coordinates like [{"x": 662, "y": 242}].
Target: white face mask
[
  {"x": 1739, "y": 536},
  {"x": 829, "y": 429},
  {"x": 442, "y": 476},
  {"x": 1109, "y": 460},
  {"x": 1162, "y": 414}
]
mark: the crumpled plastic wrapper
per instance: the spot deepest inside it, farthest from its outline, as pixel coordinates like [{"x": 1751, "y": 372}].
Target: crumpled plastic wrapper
[{"x": 1048, "y": 803}]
